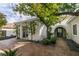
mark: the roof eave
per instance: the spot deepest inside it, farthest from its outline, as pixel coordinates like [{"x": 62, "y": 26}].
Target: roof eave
[{"x": 33, "y": 19}]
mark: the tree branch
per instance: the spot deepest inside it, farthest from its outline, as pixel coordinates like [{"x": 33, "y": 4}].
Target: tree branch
[{"x": 68, "y": 13}]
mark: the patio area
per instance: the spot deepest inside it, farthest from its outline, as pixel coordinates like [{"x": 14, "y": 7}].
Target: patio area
[
  {"x": 26, "y": 48},
  {"x": 34, "y": 49},
  {"x": 10, "y": 44}
]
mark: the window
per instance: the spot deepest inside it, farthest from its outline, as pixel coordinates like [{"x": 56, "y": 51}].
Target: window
[
  {"x": 25, "y": 31},
  {"x": 59, "y": 30},
  {"x": 75, "y": 29}
]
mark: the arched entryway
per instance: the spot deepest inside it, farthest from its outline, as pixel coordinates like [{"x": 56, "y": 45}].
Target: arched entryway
[{"x": 60, "y": 32}]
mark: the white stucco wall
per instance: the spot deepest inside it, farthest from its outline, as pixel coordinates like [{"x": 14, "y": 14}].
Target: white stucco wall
[
  {"x": 40, "y": 33},
  {"x": 70, "y": 25},
  {"x": 67, "y": 26}
]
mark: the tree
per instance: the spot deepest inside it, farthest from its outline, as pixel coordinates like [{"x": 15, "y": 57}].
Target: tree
[
  {"x": 48, "y": 13},
  {"x": 69, "y": 9},
  {"x": 2, "y": 19},
  {"x": 68, "y": 13},
  {"x": 45, "y": 12}
]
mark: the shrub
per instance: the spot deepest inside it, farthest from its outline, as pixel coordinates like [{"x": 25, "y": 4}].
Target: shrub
[
  {"x": 53, "y": 40},
  {"x": 9, "y": 52},
  {"x": 46, "y": 41}
]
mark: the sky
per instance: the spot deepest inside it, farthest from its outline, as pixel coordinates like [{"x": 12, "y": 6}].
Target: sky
[{"x": 6, "y": 9}]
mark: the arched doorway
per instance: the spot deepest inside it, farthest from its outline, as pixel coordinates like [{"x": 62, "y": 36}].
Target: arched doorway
[{"x": 60, "y": 32}]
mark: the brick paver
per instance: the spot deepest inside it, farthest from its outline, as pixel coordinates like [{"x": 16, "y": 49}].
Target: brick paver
[{"x": 34, "y": 49}]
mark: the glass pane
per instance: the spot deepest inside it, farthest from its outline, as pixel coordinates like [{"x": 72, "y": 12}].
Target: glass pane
[{"x": 59, "y": 30}]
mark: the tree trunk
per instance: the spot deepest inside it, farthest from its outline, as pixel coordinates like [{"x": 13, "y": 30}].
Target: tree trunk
[{"x": 48, "y": 33}]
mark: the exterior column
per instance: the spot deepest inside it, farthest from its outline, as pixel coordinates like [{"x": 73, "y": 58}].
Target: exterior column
[{"x": 21, "y": 34}]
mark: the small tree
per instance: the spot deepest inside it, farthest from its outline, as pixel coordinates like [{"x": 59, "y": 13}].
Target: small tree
[{"x": 2, "y": 19}]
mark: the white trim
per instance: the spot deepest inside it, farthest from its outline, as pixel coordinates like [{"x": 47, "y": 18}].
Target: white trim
[
  {"x": 71, "y": 18},
  {"x": 28, "y": 20}
]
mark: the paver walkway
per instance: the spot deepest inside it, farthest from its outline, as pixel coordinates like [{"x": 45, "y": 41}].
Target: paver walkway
[
  {"x": 7, "y": 43},
  {"x": 34, "y": 49}
]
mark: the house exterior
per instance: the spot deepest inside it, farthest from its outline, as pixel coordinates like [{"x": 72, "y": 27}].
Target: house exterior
[
  {"x": 8, "y": 30},
  {"x": 23, "y": 31},
  {"x": 67, "y": 28},
  {"x": 74, "y": 29}
]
